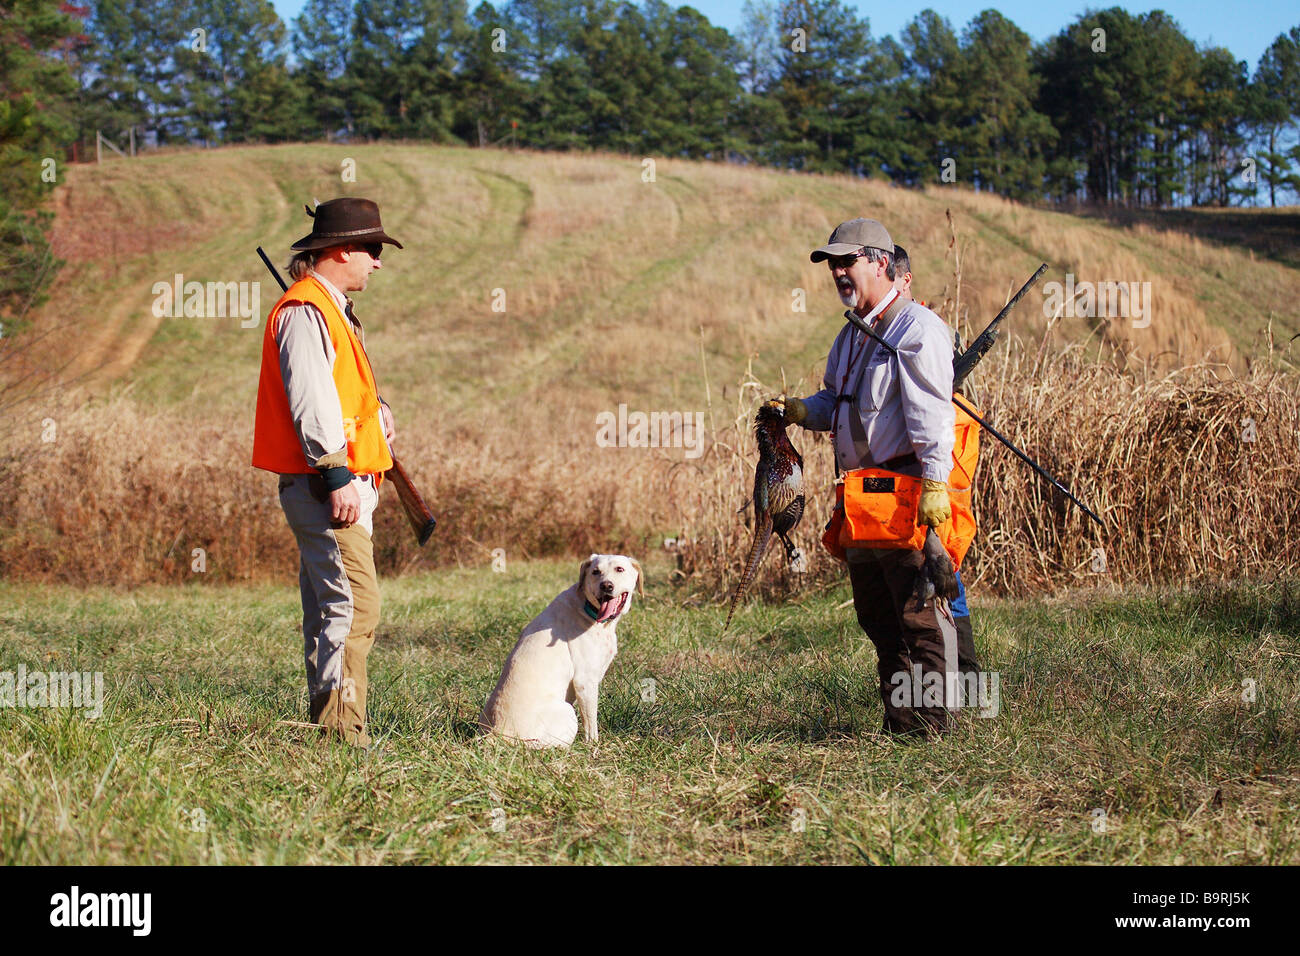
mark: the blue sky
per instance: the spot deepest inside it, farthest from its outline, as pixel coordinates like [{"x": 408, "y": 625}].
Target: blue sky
[{"x": 1246, "y": 27}]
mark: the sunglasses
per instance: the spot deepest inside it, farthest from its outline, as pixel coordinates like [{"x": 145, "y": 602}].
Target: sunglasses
[
  {"x": 843, "y": 262},
  {"x": 373, "y": 249}
]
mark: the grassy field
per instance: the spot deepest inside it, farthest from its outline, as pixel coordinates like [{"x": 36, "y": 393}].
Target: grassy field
[
  {"x": 1126, "y": 705},
  {"x": 1126, "y": 730}
]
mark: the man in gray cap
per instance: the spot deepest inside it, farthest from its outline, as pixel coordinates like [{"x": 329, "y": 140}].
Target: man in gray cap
[{"x": 887, "y": 401}]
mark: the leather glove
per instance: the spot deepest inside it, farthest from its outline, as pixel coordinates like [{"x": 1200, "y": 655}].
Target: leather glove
[
  {"x": 935, "y": 508},
  {"x": 795, "y": 410}
]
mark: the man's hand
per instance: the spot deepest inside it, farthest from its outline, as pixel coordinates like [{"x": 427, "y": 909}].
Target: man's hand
[
  {"x": 794, "y": 410},
  {"x": 345, "y": 505},
  {"x": 386, "y": 414},
  {"x": 935, "y": 508}
]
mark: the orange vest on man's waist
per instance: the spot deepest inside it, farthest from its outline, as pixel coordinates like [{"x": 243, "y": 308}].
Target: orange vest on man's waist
[{"x": 276, "y": 446}]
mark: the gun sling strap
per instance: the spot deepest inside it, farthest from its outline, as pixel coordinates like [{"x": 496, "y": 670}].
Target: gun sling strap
[{"x": 871, "y": 340}]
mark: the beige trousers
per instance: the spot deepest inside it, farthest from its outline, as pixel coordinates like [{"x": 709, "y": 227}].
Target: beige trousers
[{"x": 340, "y": 604}]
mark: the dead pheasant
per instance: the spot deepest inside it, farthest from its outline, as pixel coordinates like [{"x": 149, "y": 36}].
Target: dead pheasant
[{"x": 778, "y": 493}]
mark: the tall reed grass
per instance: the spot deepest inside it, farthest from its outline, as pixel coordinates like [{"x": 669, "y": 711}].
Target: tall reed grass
[{"x": 1193, "y": 471}]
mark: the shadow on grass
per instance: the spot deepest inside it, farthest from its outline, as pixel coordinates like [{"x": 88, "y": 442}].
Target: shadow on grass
[
  {"x": 806, "y": 705},
  {"x": 1274, "y": 235}
]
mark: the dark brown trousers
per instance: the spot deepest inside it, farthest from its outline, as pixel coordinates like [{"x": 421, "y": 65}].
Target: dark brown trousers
[
  {"x": 967, "y": 661},
  {"x": 916, "y": 644}
]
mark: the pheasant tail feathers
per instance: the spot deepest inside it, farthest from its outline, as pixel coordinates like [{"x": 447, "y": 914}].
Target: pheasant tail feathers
[{"x": 762, "y": 535}]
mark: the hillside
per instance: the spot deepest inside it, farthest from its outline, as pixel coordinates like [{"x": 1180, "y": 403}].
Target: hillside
[
  {"x": 596, "y": 264},
  {"x": 666, "y": 296}
]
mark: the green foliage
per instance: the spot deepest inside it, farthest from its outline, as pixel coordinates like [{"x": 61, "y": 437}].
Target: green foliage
[
  {"x": 130, "y": 73},
  {"x": 403, "y": 62},
  {"x": 36, "y": 87},
  {"x": 827, "y": 54},
  {"x": 1145, "y": 117},
  {"x": 322, "y": 44},
  {"x": 1274, "y": 111},
  {"x": 491, "y": 89},
  {"x": 1002, "y": 136},
  {"x": 932, "y": 95},
  {"x": 1116, "y": 108}
]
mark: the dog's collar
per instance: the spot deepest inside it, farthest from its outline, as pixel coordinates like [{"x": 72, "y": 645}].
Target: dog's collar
[{"x": 590, "y": 610}]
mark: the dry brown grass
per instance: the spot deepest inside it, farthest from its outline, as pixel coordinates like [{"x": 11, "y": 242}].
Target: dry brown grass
[{"x": 123, "y": 494}]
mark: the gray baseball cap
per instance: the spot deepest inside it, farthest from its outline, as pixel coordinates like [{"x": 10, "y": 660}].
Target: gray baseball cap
[{"x": 851, "y": 236}]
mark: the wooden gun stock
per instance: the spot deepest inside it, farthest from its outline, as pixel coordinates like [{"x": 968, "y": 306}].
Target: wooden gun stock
[{"x": 417, "y": 512}]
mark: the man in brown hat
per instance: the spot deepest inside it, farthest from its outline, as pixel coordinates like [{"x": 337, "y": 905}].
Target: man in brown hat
[
  {"x": 323, "y": 429},
  {"x": 888, "y": 402}
]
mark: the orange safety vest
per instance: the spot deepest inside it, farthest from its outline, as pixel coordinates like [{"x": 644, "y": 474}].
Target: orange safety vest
[
  {"x": 875, "y": 508},
  {"x": 276, "y": 446}
]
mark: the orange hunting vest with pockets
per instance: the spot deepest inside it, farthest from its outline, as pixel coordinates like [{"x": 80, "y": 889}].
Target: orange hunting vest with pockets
[
  {"x": 276, "y": 446},
  {"x": 879, "y": 507}
]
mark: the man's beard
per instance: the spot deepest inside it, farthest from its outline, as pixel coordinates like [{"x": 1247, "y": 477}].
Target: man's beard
[{"x": 850, "y": 299}]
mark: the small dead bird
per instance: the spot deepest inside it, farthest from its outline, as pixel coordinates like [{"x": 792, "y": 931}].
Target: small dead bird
[{"x": 937, "y": 574}]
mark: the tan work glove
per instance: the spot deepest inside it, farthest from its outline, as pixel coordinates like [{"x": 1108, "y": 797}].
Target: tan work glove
[
  {"x": 795, "y": 410},
  {"x": 935, "y": 508}
]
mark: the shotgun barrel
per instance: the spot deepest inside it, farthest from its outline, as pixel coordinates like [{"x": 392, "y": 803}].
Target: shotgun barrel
[{"x": 962, "y": 366}]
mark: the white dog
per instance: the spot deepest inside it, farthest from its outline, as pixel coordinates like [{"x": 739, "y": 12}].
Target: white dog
[{"x": 562, "y": 656}]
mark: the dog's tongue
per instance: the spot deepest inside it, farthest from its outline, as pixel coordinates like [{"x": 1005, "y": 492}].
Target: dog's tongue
[{"x": 609, "y": 608}]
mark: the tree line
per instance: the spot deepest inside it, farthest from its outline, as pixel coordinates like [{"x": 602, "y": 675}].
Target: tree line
[{"x": 1116, "y": 108}]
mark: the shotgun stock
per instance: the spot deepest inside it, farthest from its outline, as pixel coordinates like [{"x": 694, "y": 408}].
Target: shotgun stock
[{"x": 417, "y": 512}]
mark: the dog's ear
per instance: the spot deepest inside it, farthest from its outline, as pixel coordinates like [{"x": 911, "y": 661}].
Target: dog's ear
[
  {"x": 640, "y": 578},
  {"x": 582, "y": 571}
]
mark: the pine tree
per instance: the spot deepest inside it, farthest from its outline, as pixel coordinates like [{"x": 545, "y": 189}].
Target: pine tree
[
  {"x": 542, "y": 36},
  {"x": 236, "y": 86},
  {"x": 1118, "y": 90},
  {"x": 758, "y": 115},
  {"x": 490, "y": 87},
  {"x": 931, "y": 96},
  {"x": 1217, "y": 114},
  {"x": 1273, "y": 109},
  {"x": 698, "y": 71},
  {"x": 433, "y": 84},
  {"x": 1001, "y": 136},
  {"x": 401, "y": 67},
  {"x": 132, "y": 69},
  {"x": 828, "y": 50},
  {"x": 322, "y": 44},
  {"x": 36, "y": 89}
]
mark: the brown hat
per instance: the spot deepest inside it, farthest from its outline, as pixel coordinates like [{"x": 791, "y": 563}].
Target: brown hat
[
  {"x": 342, "y": 222},
  {"x": 851, "y": 236}
]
